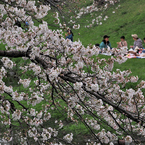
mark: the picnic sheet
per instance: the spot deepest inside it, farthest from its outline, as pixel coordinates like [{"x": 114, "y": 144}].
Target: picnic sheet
[
  {"x": 128, "y": 55},
  {"x": 133, "y": 56}
]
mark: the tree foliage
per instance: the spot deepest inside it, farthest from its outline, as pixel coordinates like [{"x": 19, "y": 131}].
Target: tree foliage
[{"x": 57, "y": 74}]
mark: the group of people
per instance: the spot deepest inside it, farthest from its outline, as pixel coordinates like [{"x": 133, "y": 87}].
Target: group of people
[
  {"x": 137, "y": 42},
  {"x": 105, "y": 44},
  {"x": 136, "y": 49}
]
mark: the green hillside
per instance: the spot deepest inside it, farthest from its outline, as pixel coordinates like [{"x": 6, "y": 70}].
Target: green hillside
[{"x": 128, "y": 19}]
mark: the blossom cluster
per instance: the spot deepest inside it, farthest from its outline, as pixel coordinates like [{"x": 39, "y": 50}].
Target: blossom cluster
[
  {"x": 25, "y": 82},
  {"x": 7, "y": 63},
  {"x": 68, "y": 137}
]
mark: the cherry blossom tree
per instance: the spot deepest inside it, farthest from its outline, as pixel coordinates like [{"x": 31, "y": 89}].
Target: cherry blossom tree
[{"x": 63, "y": 76}]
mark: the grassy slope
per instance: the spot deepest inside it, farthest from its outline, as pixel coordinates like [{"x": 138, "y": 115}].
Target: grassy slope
[{"x": 127, "y": 20}]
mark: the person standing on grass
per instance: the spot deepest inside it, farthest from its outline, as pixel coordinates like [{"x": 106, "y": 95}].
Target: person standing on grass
[
  {"x": 137, "y": 42},
  {"x": 69, "y": 35},
  {"x": 105, "y": 43},
  {"x": 122, "y": 43}
]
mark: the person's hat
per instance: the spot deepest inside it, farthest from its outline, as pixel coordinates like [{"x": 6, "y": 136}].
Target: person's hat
[
  {"x": 106, "y": 36},
  {"x": 134, "y": 36}
]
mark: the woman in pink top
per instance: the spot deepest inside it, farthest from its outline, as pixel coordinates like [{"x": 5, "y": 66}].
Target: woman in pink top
[{"x": 122, "y": 43}]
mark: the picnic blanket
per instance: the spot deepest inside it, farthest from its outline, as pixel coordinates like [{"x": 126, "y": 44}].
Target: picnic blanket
[
  {"x": 133, "y": 56},
  {"x": 128, "y": 55}
]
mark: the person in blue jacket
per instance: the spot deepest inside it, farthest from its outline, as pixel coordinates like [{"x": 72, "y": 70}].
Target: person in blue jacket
[
  {"x": 69, "y": 35},
  {"x": 105, "y": 43}
]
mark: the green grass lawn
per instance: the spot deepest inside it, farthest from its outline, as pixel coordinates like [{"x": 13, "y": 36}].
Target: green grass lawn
[{"x": 127, "y": 20}]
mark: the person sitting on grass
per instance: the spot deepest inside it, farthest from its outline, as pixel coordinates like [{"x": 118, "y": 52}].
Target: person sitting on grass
[
  {"x": 137, "y": 42},
  {"x": 137, "y": 51},
  {"x": 69, "y": 35},
  {"x": 122, "y": 43},
  {"x": 105, "y": 43}
]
